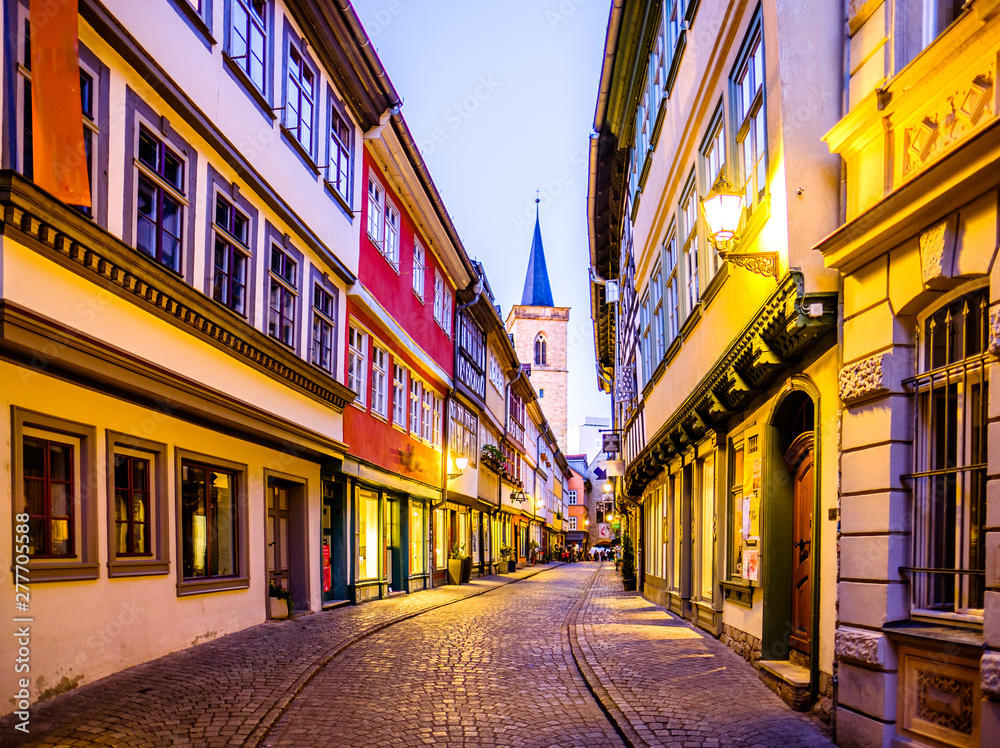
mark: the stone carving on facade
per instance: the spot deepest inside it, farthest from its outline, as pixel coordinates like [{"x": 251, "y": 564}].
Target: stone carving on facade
[
  {"x": 864, "y": 379},
  {"x": 865, "y": 647},
  {"x": 948, "y": 121},
  {"x": 994, "y": 344},
  {"x": 945, "y": 701},
  {"x": 989, "y": 667},
  {"x": 935, "y": 259}
]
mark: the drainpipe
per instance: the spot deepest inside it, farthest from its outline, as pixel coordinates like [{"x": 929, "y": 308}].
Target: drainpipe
[{"x": 476, "y": 289}]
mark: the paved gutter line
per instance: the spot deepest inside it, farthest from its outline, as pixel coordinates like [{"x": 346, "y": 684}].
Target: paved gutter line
[
  {"x": 622, "y": 724},
  {"x": 265, "y": 724}
]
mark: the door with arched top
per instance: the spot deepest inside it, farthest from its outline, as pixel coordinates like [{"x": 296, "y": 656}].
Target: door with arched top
[{"x": 800, "y": 462}]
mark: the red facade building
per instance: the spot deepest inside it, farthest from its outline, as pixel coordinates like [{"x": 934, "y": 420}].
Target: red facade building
[{"x": 399, "y": 351}]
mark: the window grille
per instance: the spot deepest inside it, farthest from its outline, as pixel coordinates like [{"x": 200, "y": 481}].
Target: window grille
[{"x": 950, "y": 451}]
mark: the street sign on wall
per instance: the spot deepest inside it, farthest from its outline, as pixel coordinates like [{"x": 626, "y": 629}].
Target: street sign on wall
[{"x": 611, "y": 441}]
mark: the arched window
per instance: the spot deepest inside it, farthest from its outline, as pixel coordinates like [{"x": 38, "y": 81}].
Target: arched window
[{"x": 541, "y": 353}]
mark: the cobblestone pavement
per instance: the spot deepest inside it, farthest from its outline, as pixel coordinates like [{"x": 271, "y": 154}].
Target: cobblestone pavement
[
  {"x": 496, "y": 670},
  {"x": 453, "y": 667},
  {"x": 667, "y": 683},
  {"x": 225, "y": 692}
]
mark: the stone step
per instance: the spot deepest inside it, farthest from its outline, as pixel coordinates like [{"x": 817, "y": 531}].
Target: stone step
[{"x": 788, "y": 680}]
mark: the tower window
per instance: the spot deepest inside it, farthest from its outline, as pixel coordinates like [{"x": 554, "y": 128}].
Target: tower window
[
  {"x": 541, "y": 393},
  {"x": 541, "y": 352}
]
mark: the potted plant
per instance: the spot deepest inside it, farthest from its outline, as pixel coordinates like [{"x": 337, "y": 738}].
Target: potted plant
[
  {"x": 492, "y": 457},
  {"x": 628, "y": 564},
  {"x": 532, "y": 551},
  {"x": 507, "y": 554},
  {"x": 280, "y": 599},
  {"x": 456, "y": 562}
]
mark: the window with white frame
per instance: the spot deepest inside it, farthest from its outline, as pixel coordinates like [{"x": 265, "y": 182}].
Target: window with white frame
[
  {"x": 645, "y": 338},
  {"x": 357, "y": 362},
  {"x": 442, "y": 302},
  {"x": 571, "y": 497},
  {"x": 671, "y": 291},
  {"x": 427, "y": 415},
  {"x": 496, "y": 372},
  {"x": 689, "y": 241},
  {"x": 749, "y": 116},
  {"x": 300, "y": 97},
  {"x": 656, "y": 313},
  {"x": 419, "y": 258},
  {"x": 390, "y": 247},
  {"x": 464, "y": 440},
  {"x": 657, "y": 73},
  {"x": 399, "y": 395},
  {"x": 572, "y": 522},
  {"x": 376, "y": 197},
  {"x": 248, "y": 39},
  {"x": 951, "y": 395},
  {"x": 438, "y": 407},
  {"x": 713, "y": 164},
  {"x": 674, "y": 11},
  {"x": 379, "y": 371},
  {"x": 338, "y": 170},
  {"x": 416, "y": 408}
]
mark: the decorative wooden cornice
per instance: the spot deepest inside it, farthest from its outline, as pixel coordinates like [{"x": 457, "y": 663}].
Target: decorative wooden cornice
[
  {"x": 773, "y": 342},
  {"x": 44, "y": 224}
]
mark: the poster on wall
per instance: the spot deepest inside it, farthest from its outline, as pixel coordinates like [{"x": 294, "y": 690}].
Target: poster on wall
[
  {"x": 751, "y": 564},
  {"x": 746, "y": 518},
  {"x": 754, "y": 529}
]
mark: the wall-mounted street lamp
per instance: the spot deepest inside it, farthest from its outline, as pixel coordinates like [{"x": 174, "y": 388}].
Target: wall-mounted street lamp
[
  {"x": 723, "y": 209},
  {"x": 608, "y": 488},
  {"x": 519, "y": 496},
  {"x": 460, "y": 463}
]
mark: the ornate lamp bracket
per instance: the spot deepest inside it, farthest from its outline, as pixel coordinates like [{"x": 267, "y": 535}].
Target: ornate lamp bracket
[{"x": 761, "y": 263}]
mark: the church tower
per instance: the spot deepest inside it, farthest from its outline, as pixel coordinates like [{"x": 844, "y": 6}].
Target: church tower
[{"x": 540, "y": 330}]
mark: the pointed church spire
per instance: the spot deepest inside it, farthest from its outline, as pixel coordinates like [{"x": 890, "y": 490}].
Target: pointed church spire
[{"x": 537, "y": 291}]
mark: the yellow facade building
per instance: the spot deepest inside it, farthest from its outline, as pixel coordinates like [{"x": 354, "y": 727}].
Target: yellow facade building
[
  {"x": 723, "y": 369},
  {"x": 919, "y": 592}
]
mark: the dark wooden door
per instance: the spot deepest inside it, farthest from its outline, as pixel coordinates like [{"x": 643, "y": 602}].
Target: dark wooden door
[{"x": 800, "y": 461}]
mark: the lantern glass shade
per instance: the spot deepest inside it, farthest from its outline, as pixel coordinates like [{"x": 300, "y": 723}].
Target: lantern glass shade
[
  {"x": 723, "y": 209},
  {"x": 607, "y": 487},
  {"x": 461, "y": 463}
]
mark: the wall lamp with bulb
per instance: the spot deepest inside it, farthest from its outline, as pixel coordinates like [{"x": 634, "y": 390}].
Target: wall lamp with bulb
[
  {"x": 723, "y": 210},
  {"x": 460, "y": 463}
]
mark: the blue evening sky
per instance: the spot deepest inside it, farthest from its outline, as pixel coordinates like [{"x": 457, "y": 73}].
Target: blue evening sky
[{"x": 500, "y": 98}]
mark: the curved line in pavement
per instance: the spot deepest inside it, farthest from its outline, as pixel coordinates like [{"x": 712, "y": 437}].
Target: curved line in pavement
[{"x": 264, "y": 726}]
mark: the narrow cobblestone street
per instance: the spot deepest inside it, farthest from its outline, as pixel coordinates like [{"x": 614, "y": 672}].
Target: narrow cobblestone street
[{"x": 486, "y": 664}]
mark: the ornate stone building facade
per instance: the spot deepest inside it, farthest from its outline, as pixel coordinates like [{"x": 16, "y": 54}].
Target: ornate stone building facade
[{"x": 919, "y": 584}]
